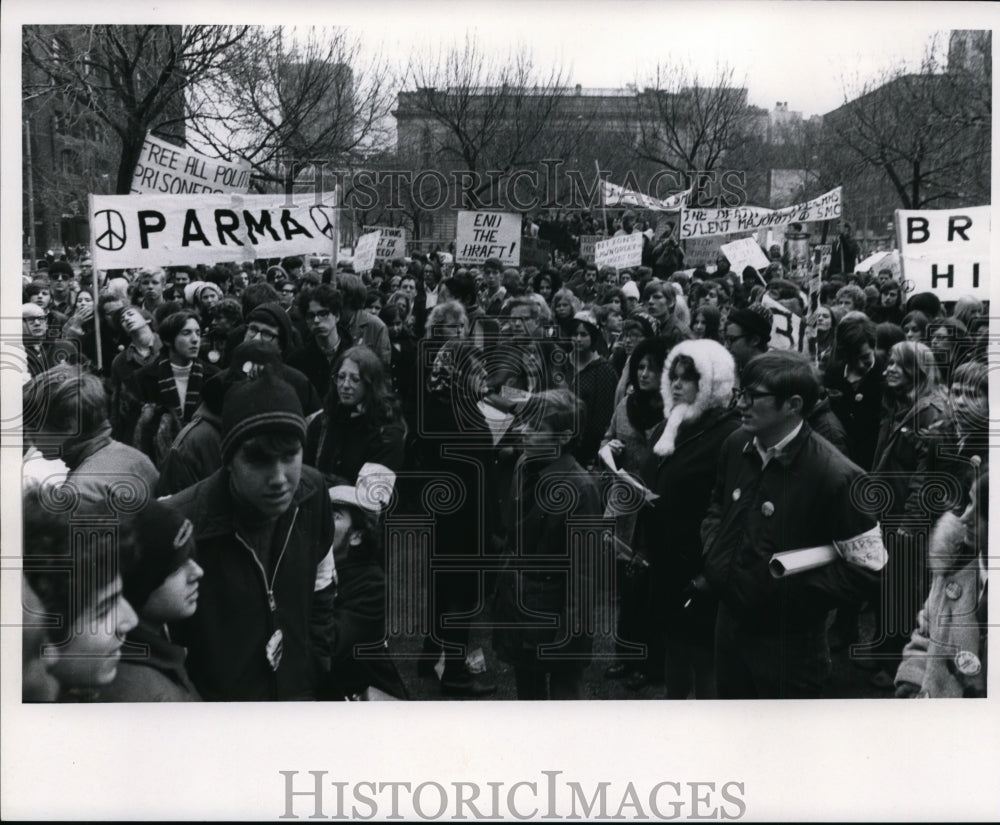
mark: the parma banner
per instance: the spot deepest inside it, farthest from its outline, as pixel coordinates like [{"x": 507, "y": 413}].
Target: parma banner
[
  {"x": 170, "y": 170},
  {"x": 699, "y": 223},
  {"x": 130, "y": 231},
  {"x": 946, "y": 251}
]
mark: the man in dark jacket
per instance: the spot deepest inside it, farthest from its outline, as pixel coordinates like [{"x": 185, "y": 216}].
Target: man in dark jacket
[
  {"x": 780, "y": 487},
  {"x": 264, "y": 533}
]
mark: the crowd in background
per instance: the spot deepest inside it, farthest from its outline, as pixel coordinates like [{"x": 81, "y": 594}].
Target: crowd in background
[{"x": 262, "y": 403}]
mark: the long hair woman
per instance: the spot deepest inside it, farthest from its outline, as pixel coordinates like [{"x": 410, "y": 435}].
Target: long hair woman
[
  {"x": 917, "y": 412},
  {"x": 361, "y": 421}
]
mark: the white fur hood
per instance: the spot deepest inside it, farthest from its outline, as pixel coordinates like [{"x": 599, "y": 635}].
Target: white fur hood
[{"x": 717, "y": 372}]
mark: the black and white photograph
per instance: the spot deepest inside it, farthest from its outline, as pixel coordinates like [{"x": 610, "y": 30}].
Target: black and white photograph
[{"x": 587, "y": 384}]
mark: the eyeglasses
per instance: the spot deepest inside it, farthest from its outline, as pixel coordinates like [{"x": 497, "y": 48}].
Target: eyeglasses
[
  {"x": 61, "y": 277},
  {"x": 322, "y": 315},
  {"x": 259, "y": 332},
  {"x": 729, "y": 339},
  {"x": 35, "y": 319},
  {"x": 743, "y": 396}
]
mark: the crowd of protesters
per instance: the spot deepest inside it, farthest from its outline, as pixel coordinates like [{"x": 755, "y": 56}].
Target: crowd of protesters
[{"x": 236, "y": 424}]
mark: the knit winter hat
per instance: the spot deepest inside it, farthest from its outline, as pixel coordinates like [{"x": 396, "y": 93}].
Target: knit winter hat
[
  {"x": 164, "y": 540},
  {"x": 752, "y": 322},
  {"x": 265, "y": 405},
  {"x": 630, "y": 289},
  {"x": 273, "y": 315}
]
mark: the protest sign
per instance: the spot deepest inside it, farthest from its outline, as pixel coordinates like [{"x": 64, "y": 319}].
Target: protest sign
[
  {"x": 391, "y": 242},
  {"x": 697, "y": 223},
  {"x": 786, "y": 327},
  {"x": 167, "y": 169},
  {"x": 535, "y": 252},
  {"x": 621, "y": 251},
  {"x": 480, "y": 236},
  {"x": 365, "y": 251},
  {"x": 129, "y": 231},
  {"x": 702, "y": 251},
  {"x": 946, "y": 251},
  {"x": 587, "y": 247},
  {"x": 744, "y": 253}
]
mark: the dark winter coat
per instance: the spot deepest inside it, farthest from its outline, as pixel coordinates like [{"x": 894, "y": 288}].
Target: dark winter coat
[
  {"x": 240, "y": 605},
  {"x": 805, "y": 497},
  {"x": 544, "y": 594},
  {"x": 339, "y": 444},
  {"x": 155, "y": 674},
  {"x": 859, "y": 409}
]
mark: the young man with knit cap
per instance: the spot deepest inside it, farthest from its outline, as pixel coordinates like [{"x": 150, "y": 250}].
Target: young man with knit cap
[{"x": 263, "y": 528}]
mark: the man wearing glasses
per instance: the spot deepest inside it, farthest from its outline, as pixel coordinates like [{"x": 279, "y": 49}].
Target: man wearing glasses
[
  {"x": 781, "y": 487},
  {"x": 321, "y": 308},
  {"x": 62, "y": 281}
]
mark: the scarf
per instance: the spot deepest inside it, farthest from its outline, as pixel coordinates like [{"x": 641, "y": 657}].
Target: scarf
[
  {"x": 644, "y": 409},
  {"x": 168, "y": 397}
]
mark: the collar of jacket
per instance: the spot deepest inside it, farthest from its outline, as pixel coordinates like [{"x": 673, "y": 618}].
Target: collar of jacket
[
  {"x": 788, "y": 455},
  {"x": 75, "y": 453},
  {"x": 218, "y": 507},
  {"x": 163, "y": 654}
]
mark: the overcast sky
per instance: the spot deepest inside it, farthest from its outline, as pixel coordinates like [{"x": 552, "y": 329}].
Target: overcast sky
[{"x": 805, "y": 53}]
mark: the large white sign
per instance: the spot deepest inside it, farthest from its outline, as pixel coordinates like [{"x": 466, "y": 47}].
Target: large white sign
[
  {"x": 391, "y": 242},
  {"x": 480, "y": 236},
  {"x": 946, "y": 251},
  {"x": 698, "y": 223},
  {"x": 365, "y": 252},
  {"x": 129, "y": 231},
  {"x": 166, "y": 169},
  {"x": 744, "y": 253},
  {"x": 621, "y": 251},
  {"x": 587, "y": 243},
  {"x": 786, "y": 327}
]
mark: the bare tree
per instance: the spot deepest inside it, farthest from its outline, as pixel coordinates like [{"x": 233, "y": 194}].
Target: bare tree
[
  {"x": 133, "y": 79},
  {"x": 291, "y": 98},
  {"x": 487, "y": 117},
  {"x": 927, "y": 133},
  {"x": 686, "y": 125}
]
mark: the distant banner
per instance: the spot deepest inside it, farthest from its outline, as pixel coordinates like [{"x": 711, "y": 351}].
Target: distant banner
[
  {"x": 617, "y": 196},
  {"x": 946, "y": 251},
  {"x": 480, "y": 236},
  {"x": 621, "y": 251},
  {"x": 165, "y": 169},
  {"x": 743, "y": 253},
  {"x": 365, "y": 252},
  {"x": 587, "y": 243},
  {"x": 391, "y": 242},
  {"x": 699, "y": 223},
  {"x": 129, "y": 231}
]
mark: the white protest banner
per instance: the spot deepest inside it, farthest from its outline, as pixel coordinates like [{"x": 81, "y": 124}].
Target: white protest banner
[
  {"x": 130, "y": 231},
  {"x": 946, "y": 251},
  {"x": 697, "y": 223},
  {"x": 480, "y": 236},
  {"x": 166, "y": 169},
  {"x": 391, "y": 242},
  {"x": 587, "y": 243},
  {"x": 621, "y": 251},
  {"x": 786, "y": 327},
  {"x": 365, "y": 251},
  {"x": 744, "y": 253},
  {"x": 617, "y": 196}
]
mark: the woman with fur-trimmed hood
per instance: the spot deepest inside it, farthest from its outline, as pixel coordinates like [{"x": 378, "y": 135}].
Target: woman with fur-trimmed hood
[{"x": 697, "y": 385}]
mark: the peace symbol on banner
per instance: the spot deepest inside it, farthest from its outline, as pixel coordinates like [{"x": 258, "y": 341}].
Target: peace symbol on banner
[
  {"x": 322, "y": 220},
  {"x": 109, "y": 230}
]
